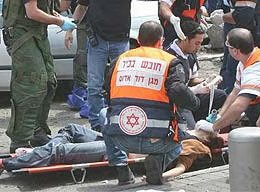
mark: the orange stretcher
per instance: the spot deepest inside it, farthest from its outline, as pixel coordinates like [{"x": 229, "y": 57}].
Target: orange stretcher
[
  {"x": 221, "y": 148},
  {"x": 72, "y": 168}
]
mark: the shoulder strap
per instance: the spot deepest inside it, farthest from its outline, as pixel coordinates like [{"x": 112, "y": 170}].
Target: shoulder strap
[
  {"x": 10, "y": 12},
  {"x": 193, "y": 60}
]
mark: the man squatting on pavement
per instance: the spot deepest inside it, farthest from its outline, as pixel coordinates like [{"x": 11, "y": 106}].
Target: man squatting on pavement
[{"x": 145, "y": 88}]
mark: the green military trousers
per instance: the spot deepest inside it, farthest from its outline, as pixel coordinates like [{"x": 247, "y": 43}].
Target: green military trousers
[
  {"x": 33, "y": 86},
  {"x": 80, "y": 59}
]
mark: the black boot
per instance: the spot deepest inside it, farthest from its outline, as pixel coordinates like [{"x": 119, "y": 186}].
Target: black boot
[
  {"x": 40, "y": 138},
  {"x": 125, "y": 175},
  {"x": 153, "y": 167}
]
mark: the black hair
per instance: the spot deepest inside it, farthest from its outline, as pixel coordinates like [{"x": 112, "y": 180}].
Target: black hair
[
  {"x": 241, "y": 39},
  {"x": 149, "y": 33},
  {"x": 191, "y": 29}
]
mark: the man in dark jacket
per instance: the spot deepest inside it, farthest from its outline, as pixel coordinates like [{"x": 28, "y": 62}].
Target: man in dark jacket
[{"x": 186, "y": 51}]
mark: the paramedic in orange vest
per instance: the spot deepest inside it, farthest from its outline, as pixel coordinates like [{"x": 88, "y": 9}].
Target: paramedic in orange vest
[
  {"x": 145, "y": 87},
  {"x": 172, "y": 12},
  {"x": 245, "y": 96}
]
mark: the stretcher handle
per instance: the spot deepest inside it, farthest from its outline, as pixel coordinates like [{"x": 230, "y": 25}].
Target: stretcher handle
[{"x": 84, "y": 172}]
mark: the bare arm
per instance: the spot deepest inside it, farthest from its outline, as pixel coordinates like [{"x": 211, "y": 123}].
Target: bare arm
[
  {"x": 229, "y": 101},
  {"x": 204, "y": 11},
  {"x": 80, "y": 12},
  {"x": 34, "y": 13},
  {"x": 233, "y": 112},
  {"x": 165, "y": 10},
  {"x": 228, "y": 18},
  {"x": 176, "y": 171},
  {"x": 195, "y": 81},
  {"x": 64, "y": 5},
  {"x": 78, "y": 15}
]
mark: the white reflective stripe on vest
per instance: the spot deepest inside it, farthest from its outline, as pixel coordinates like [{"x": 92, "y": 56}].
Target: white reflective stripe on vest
[
  {"x": 245, "y": 4},
  {"x": 150, "y": 122}
]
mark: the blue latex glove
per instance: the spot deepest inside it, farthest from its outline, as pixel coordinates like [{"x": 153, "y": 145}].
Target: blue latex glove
[
  {"x": 68, "y": 24},
  {"x": 213, "y": 116}
]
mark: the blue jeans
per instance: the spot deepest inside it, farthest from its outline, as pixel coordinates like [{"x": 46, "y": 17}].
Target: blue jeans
[
  {"x": 97, "y": 62},
  {"x": 117, "y": 146},
  {"x": 73, "y": 144}
]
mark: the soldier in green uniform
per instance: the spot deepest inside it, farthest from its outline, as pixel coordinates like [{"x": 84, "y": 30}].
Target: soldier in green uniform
[{"x": 33, "y": 81}]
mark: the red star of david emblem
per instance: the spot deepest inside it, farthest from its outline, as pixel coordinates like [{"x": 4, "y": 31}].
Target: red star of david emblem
[{"x": 132, "y": 120}]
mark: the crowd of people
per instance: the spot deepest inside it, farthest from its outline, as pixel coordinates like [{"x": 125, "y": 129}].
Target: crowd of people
[{"x": 151, "y": 101}]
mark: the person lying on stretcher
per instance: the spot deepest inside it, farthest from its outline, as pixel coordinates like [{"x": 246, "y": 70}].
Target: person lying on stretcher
[
  {"x": 196, "y": 145},
  {"x": 77, "y": 144},
  {"x": 73, "y": 144}
]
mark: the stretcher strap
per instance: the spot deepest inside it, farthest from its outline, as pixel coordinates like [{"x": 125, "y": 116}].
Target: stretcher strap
[{"x": 211, "y": 98}]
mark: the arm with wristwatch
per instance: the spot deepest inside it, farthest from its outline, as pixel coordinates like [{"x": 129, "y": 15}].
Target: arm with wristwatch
[{"x": 78, "y": 15}]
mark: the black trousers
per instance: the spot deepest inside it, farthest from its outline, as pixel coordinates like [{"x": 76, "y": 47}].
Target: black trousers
[
  {"x": 219, "y": 99},
  {"x": 191, "y": 117},
  {"x": 253, "y": 112}
]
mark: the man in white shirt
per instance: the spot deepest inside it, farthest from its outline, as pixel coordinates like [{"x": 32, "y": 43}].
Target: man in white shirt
[{"x": 245, "y": 97}]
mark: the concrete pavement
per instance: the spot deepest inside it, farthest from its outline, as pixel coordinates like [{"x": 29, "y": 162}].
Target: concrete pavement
[{"x": 207, "y": 180}]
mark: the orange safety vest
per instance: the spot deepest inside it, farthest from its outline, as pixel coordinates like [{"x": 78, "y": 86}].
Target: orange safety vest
[
  {"x": 140, "y": 75},
  {"x": 187, "y": 8},
  {"x": 147, "y": 64},
  {"x": 254, "y": 57}
]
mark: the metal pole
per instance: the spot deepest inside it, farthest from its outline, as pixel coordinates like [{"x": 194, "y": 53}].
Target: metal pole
[{"x": 244, "y": 159}]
